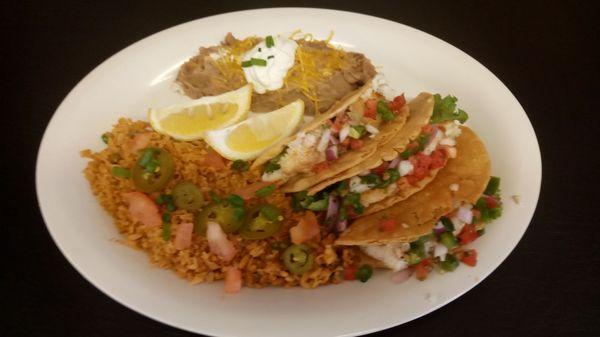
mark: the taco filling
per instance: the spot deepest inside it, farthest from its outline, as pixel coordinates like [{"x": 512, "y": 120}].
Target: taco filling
[
  {"x": 445, "y": 246},
  {"x": 433, "y": 147},
  {"x": 314, "y": 151}
]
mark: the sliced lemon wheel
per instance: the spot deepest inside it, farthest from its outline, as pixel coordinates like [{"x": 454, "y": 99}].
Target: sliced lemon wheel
[
  {"x": 189, "y": 121},
  {"x": 248, "y": 139}
]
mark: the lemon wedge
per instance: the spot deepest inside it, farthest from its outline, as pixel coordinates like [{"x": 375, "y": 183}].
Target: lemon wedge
[
  {"x": 248, "y": 139},
  {"x": 189, "y": 121}
]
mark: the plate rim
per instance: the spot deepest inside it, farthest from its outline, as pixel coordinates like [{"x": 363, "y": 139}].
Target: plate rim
[{"x": 135, "y": 307}]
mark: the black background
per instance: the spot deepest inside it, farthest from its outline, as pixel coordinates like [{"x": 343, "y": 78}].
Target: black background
[{"x": 543, "y": 51}]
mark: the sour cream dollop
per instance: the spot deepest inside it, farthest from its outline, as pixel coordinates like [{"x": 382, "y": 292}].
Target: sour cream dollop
[{"x": 280, "y": 58}]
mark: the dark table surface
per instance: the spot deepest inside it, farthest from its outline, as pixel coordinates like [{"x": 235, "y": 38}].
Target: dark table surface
[{"x": 542, "y": 51}]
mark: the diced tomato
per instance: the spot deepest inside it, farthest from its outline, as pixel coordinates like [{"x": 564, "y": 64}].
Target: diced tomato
[
  {"x": 427, "y": 129},
  {"x": 218, "y": 243},
  {"x": 143, "y": 209},
  {"x": 398, "y": 103},
  {"x": 388, "y": 225},
  {"x": 183, "y": 236},
  {"x": 422, "y": 270},
  {"x": 469, "y": 257},
  {"x": 213, "y": 159},
  {"x": 468, "y": 234},
  {"x": 424, "y": 160},
  {"x": 490, "y": 201},
  {"x": 379, "y": 170},
  {"x": 233, "y": 280},
  {"x": 320, "y": 167},
  {"x": 306, "y": 229},
  {"x": 351, "y": 213},
  {"x": 350, "y": 273},
  {"x": 370, "y": 109},
  {"x": 438, "y": 159},
  {"x": 249, "y": 191},
  {"x": 356, "y": 144}
]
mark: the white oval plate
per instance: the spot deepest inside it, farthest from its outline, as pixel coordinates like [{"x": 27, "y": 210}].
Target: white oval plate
[{"x": 142, "y": 76}]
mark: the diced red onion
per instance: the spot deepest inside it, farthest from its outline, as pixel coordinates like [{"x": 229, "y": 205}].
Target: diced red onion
[
  {"x": 402, "y": 275},
  {"x": 465, "y": 215},
  {"x": 342, "y": 225},
  {"x": 333, "y": 207},
  {"x": 344, "y": 132},
  {"x": 331, "y": 153},
  {"x": 371, "y": 129},
  {"x": 394, "y": 163},
  {"x": 439, "y": 230},
  {"x": 324, "y": 141}
]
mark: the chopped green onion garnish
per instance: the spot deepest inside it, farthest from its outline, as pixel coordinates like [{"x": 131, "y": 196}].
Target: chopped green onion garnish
[
  {"x": 166, "y": 217},
  {"x": 270, "y": 56},
  {"x": 450, "y": 263},
  {"x": 259, "y": 62},
  {"x": 384, "y": 111},
  {"x": 265, "y": 191},
  {"x": 493, "y": 186},
  {"x": 240, "y": 165},
  {"x": 269, "y": 41},
  {"x": 104, "y": 138},
  {"x": 364, "y": 273},
  {"x": 146, "y": 157},
  {"x": 121, "y": 172},
  {"x": 166, "y": 231},
  {"x": 171, "y": 207},
  {"x": 254, "y": 62},
  {"x": 273, "y": 164},
  {"x": 235, "y": 200}
]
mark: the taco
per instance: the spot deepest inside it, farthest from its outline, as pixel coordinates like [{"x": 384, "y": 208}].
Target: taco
[
  {"x": 404, "y": 165},
  {"x": 351, "y": 131},
  {"x": 435, "y": 222}
]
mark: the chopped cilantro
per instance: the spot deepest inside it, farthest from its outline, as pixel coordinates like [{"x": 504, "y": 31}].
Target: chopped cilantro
[
  {"x": 383, "y": 109},
  {"x": 493, "y": 186},
  {"x": 445, "y": 109}
]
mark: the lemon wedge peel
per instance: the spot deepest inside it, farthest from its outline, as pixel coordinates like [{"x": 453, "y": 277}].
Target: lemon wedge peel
[
  {"x": 190, "y": 120},
  {"x": 246, "y": 140}
]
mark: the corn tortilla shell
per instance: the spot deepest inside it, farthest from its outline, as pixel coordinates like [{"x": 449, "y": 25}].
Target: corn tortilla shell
[{"x": 417, "y": 215}]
